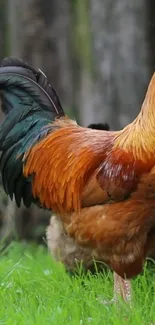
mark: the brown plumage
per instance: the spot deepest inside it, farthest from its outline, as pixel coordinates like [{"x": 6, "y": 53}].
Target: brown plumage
[
  {"x": 64, "y": 249},
  {"x": 100, "y": 183},
  {"x": 117, "y": 165}
]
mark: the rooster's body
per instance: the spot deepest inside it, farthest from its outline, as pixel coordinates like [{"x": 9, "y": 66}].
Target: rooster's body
[{"x": 101, "y": 183}]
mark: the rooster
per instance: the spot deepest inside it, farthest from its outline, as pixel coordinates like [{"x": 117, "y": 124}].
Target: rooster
[{"x": 100, "y": 183}]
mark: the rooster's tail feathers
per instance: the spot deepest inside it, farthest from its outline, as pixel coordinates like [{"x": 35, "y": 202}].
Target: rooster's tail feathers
[
  {"x": 15, "y": 72},
  {"x": 30, "y": 105}
]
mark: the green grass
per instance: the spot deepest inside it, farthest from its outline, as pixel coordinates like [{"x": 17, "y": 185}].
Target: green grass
[{"x": 35, "y": 290}]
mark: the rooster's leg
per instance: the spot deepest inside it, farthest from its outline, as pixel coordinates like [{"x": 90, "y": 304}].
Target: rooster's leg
[{"x": 122, "y": 288}]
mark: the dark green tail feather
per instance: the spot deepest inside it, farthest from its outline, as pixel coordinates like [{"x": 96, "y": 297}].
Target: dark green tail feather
[{"x": 30, "y": 104}]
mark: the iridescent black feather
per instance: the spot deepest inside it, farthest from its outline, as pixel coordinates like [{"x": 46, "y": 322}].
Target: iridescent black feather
[
  {"x": 99, "y": 126},
  {"x": 29, "y": 103}
]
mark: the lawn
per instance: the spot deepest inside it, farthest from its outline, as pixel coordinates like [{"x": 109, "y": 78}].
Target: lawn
[{"x": 36, "y": 290}]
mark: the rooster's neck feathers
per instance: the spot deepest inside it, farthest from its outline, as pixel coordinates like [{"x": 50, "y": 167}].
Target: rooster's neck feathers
[{"x": 139, "y": 136}]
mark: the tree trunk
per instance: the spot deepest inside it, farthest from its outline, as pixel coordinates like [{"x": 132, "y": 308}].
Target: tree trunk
[
  {"x": 121, "y": 58},
  {"x": 40, "y": 34}
]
